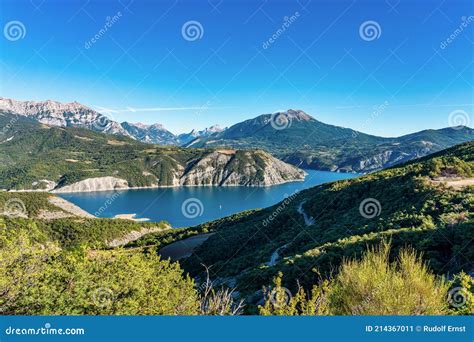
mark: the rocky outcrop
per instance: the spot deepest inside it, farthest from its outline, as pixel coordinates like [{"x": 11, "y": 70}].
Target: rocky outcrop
[
  {"x": 69, "y": 207},
  {"x": 243, "y": 168},
  {"x": 134, "y": 235},
  {"x": 44, "y": 184},
  {"x": 151, "y": 134},
  {"x": 94, "y": 184},
  {"x": 381, "y": 160},
  {"x": 64, "y": 209}
]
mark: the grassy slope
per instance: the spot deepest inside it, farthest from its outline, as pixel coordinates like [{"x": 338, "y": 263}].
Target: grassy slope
[{"x": 433, "y": 219}]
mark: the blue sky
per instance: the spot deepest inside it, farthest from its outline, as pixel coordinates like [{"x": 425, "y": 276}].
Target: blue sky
[{"x": 143, "y": 69}]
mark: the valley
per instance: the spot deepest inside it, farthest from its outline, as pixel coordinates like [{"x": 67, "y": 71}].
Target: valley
[
  {"x": 233, "y": 205},
  {"x": 69, "y": 159},
  {"x": 409, "y": 210},
  {"x": 302, "y": 242}
]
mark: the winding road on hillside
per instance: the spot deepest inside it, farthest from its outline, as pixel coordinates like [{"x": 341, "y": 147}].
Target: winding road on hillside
[{"x": 308, "y": 220}]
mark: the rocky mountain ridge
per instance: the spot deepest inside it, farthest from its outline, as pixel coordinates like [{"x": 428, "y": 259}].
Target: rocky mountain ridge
[
  {"x": 55, "y": 113},
  {"x": 218, "y": 168},
  {"x": 292, "y": 136},
  {"x": 74, "y": 114}
]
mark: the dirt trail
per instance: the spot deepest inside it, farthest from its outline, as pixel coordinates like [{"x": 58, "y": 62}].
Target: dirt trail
[{"x": 455, "y": 183}]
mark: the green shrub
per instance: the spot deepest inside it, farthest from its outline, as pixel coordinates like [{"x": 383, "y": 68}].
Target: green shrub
[
  {"x": 374, "y": 286},
  {"x": 41, "y": 279},
  {"x": 370, "y": 286},
  {"x": 280, "y": 302}
]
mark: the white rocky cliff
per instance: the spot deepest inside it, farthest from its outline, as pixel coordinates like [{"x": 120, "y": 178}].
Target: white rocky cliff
[{"x": 219, "y": 168}]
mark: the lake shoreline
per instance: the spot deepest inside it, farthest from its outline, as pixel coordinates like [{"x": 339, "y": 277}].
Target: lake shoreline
[
  {"x": 55, "y": 192},
  {"x": 131, "y": 217},
  {"x": 189, "y": 206},
  {"x": 58, "y": 191}
]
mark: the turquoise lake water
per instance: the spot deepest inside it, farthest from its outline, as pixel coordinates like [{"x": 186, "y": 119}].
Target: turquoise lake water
[{"x": 188, "y": 206}]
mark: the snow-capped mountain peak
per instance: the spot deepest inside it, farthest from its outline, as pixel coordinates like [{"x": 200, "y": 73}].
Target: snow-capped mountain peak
[{"x": 188, "y": 137}]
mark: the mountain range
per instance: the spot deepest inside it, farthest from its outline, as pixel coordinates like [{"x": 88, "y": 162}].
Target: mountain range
[
  {"x": 292, "y": 136},
  {"x": 299, "y": 139},
  {"x": 36, "y": 156},
  {"x": 74, "y": 114}
]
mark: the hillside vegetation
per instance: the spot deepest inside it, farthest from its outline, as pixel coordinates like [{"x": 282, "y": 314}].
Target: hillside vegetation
[
  {"x": 410, "y": 255},
  {"x": 38, "y": 277},
  {"x": 409, "y": 205}
]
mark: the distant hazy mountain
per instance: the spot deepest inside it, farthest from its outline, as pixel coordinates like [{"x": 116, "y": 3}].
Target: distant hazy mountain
[
  {"x": 299, "y": 139},
  {"x": 186, "y": 138},
  {"x": 152, "y": 134}
]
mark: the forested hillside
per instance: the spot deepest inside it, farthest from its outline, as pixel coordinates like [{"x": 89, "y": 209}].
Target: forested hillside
[
  {"x": 426, "y": 204},
  {"x": 399, "y": 241}
]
